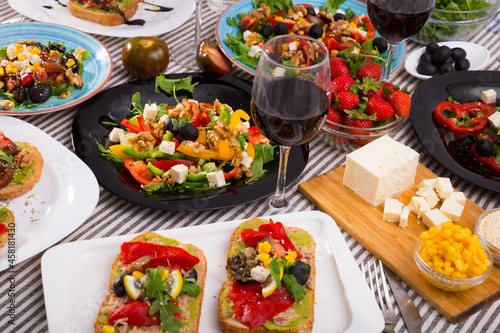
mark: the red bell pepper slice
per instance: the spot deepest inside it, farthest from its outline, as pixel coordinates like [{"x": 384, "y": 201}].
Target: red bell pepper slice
[
  {"x": 3, "y": 229},
  {"x": 168, "y": 164},
  {"x": 140, "y": 172},
  {"x": 280, "y": 235},
  {"x": 255, "y": 135},
  {"x": 131, "y": 251},
  {"x": 26, "y": 78},
  {"x": 196, "y": 119},
  {"x": 490, "y": 160},
  {"x": 131, "y": 127},
  {"x": 333, "y": 44},
  {"x": 142, "y": 124},
  {"x": 137, "y": 314},
  {"x": 370, "y": 33},
  {"x": 230, "y": 174},
  {"x": 466, "y": 119},
  {"x": 253, "y": 237}
]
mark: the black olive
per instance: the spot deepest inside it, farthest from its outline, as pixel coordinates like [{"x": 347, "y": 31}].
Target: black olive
[
  {"x": 19, "y": 94},
  {"x": 192, "y": 275},
  {"x": 380, "y": 44},
  {"x": 484, "y": 148},
  {"x": 427, "y": 68},
  {"x": 70, "y": 62},
  {"x": 431, "y": 47},
  {"x": 168, "y": 125},
  {"x": 227, "y": 167},
  {"x": 188, "y": 131},
  {"x": 275, "y": 57},
  {"x": 301, "y": 271},
  {"x": 425, "y": 57},
  {"x": 316, "y": 31},
  {"x": 310, "y": 11},
  {"x": 339, "y": 16},
  {"x": 446, "y": 68},
  {"x": 462, "y": 64},
  {"x": 280, "y": 28},
  {"x": 266, "y": 31},
  {"x": 440, "y": 55},
  {"x": 449, "y": 61},
  {"x": 57, "y": 47},
  {"x": 42, "y": 47},
  {"x": 458, "y": 53},
  {"x": 118, "y": 287},
  {"x": 40, "y": 94}
]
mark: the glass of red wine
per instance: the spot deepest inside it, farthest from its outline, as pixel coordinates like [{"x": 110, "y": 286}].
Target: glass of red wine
[
  {"x": 290, "y": 97},
  {"x": 397, "y": 20}
]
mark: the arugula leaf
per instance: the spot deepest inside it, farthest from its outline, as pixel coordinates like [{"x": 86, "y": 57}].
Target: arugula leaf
[
  {"x": 3, "y": 52},
  {"x": 276, "y": 267},
  {"x": 108, "y": 154},
  {"x": 258, "y": 171},
  {"x": 59, "y": 90},
  {"x": 232, "y": 22},
  {"x": 6, "y": 157},
  {"x": 274, "y": 4},
  {"x": 171, "y": 85},
  {"x": 331, "y": 6},
  {"x": 266, "y": 152},
  {"x": 109, "y": 123},
  {"x": 137, "y": 108},
  {"x": 294, "y": 287},
  {"x": 85, "y": 55},
  {"x": 190, "y": 287}
]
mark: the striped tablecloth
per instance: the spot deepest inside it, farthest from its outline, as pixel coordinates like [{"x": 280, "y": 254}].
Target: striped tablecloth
[{"x": 30, "y": 307}]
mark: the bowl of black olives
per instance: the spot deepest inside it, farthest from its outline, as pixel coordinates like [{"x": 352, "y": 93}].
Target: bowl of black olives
[{"x": 441, "y": 58}]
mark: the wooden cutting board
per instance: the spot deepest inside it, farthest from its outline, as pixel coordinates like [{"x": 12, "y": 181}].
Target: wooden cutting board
[{"x": 395, "y": 245}]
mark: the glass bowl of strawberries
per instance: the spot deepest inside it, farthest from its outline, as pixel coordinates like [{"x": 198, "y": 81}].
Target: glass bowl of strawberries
[{"x": 363, "y": 107}]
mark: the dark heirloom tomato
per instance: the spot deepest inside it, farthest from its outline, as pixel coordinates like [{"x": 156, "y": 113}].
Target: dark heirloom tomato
[
  {"x": 209, "y": 58},
  {"x": 145, "y": 56}
]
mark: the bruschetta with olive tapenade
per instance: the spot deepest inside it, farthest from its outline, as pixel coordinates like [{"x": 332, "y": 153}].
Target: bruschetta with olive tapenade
[
  {"x": 105, "y": 12},
  {"x": 156, "y": 285},
  {"x": 6, "y": 223},
  {"x": 271, "y": 279},
  {"x": 20, "y": 167}
]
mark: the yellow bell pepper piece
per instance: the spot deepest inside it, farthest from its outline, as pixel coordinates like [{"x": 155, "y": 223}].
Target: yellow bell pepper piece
[
  {"x": 236, "y": 118},
  {"x": 250, "y": 150},
  {"x": 225, "y": 153},
  {"x": 206, "y": 154},
  {"x": 202, "y": 137},
  {"x": 117, "y": 149}
]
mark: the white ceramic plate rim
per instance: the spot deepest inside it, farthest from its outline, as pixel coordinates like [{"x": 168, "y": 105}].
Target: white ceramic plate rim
[
  {"x": 60, "y": 202},
  {"x": 340, "y": 288},
  {"x": 157, "y": 23},
  {"x": 477, "y": 55}
]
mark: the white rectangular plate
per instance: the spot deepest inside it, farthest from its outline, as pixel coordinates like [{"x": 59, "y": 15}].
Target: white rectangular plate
[
  {"x": 344, "y": 303},
  {"x": 60, "y": 202}
]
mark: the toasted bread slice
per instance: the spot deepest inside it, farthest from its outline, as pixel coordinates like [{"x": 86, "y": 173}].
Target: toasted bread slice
[
  {"x": 289, "y": 321},
  {"x": 7, "y": 219},
  {"x": 191, "y": 306},
  {"x": 14, "y": 190},
  {"x": 122, "y": 11}
]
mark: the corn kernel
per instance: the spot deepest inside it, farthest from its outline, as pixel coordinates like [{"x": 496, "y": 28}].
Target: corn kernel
[
  {"x": 284, "y": 47},
  {"x": 36, "y": 65},
  {"x": 289, "y": 259},
  {"x": 293, "y": 254},
  {"x": 263, "y": 256},
  {"x": 11, "y": 69},
  {"x": 138, "y": 275},
  {"x": 278, "y": 18},
  {"x": 351, "y": 25},
  {"x": 264, "y": 247},
  {"x": 108, "y": 329},
  {"x": 70, "y": 63},
  {"x": 53, "y": 52},
  {"x": 2, "y": 71},
  {"x": 21, "y": 57},
  {"x": 334, "y": 52}
]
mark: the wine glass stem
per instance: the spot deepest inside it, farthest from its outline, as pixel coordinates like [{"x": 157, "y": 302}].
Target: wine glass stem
[
  {"x": 388, "y": 61},
  {"x": 279, "y": 199},
  {"x": 197, "y": 30}
]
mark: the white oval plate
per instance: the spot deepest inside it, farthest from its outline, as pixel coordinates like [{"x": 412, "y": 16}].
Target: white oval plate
[{"x": 477, "y": 55}]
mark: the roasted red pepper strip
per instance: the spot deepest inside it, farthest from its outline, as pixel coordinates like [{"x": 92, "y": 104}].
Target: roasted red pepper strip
[
  {"x": 196, "y": 121},
  {"x": 143, "y": 125},
  {"x": 140, "y": 172},
  {"x": 490, "y": 160},
  {"x": 3, "y": 229},
  {"x": 137, "y": 314},
  {"x": 255, "y": 135},
  {"x": 168, "y": 164},
  {"x": 4, "y": 141},
  {"x": 333, "y": 44},
  {"x": 132, "y": 127},
  {"x": 278, "y": 229},
  {"x": 27, "y": 77},
  {"x": 253, "y": 237},
  {"x": 230, "y": 174},
  {"x": 369, "y": 26},
  {"x": 465, "y": 118}
]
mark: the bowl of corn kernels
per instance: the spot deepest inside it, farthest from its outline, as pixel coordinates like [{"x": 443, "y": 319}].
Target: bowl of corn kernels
[
  {"x": 488, "y": 230},
  {"x": 452, "y": 258}
]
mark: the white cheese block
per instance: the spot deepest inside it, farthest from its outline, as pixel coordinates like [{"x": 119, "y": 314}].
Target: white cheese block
[
  {"x": 162, "y": 119},
  {"x": 179, "y": 172},
  {"x": 434, "y": 218},
  {"x": 403, "y": 219},
  {"x": 443, "y": 187},
  {"x": 427, "y": 183},
  {"x": 167, "y": 147},
  {"x": 489, "y": 96},
  {"x": 292, "y": 46},
  {"x": 494, "y": 119},
  {"x": 216, "y": 178},
  {"x": 418, "y": 206},
  {"x": 254, "y": 51},
  {"x": 247, "y": 160},
  {"x": 279, "y": 71},
  {"x": 150, "y": 111},
  {"x": 452, "y": 209},
  {"x": 430, "y": 195},
  {"x": 115, "y": 134},
  {"x": 381, "y": 169},
  {"x": 392, "y": 210},
  {"x": 246, "y": 33},
  {"x": 260, "y": 273},
  {"x": 458, "y": 197}
]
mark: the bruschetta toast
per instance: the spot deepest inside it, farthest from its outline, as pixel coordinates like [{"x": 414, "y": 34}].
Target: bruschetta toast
[
  {"x": 271, "y": 279},
  {"x": 105, "y": 12},
  {"x": 20, "y": 167},
  {"x": 156, "y": 285},
  {"x": 7, "y": 222}
]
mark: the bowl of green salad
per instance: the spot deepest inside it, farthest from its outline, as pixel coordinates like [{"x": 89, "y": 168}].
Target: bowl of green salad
[{"x": 454, "y": 20}]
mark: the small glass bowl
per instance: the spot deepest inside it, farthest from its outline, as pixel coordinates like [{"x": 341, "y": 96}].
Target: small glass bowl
[
  {"x": 346, "y": 138},
  {"x": 495, "y": 251},
  {"x": 446, "y": 282}
]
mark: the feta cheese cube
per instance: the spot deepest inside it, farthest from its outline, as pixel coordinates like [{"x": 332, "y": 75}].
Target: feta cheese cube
[
  {"x": 340, "y": 11},
  {"x": 427, "y": 183},
  {"x": 247, "y": 160},
  {"x": 443, "y": 187},
  {"x": 279, "y": 71},
  {"x": 452, "y": 209},
  {"x": 179, "y": 172},
  {"x": 458, "y": 197},
  {"x": 418, "y": 206},
  {"x": 494, "y": 119},
  {"x": 246, "y": 33},
  {"x": 292, "y": 46},
  {"x": 150, "y": 111},
  {"x": 167, "y": 147},
  {"x": 363, "y": 32},
  {"x": 163, "y": 118},
  {"x": 246, "y": 124},
  {"x": 403, "y": 219},
  {"x": 115, "y": 134},
  {"x": 124, "y": 138},
  {"x": 392, "y": 210},
  {"x": 260, "y": 273},
  {"x": 434, "y": 218},
  {"x": 254, "y": 51},
  {"x": 489, "y": 96},
  {"x": 430, "y": 195},
  {"x": 216, "y": 178}
]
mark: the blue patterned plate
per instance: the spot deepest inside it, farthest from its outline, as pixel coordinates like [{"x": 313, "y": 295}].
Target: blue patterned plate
[
  {"x": 246, "y": 6},
  {"x": 98, "y": 66}
]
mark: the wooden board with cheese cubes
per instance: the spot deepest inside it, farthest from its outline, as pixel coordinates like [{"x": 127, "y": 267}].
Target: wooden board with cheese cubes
[{"x": 395, "y": 245}]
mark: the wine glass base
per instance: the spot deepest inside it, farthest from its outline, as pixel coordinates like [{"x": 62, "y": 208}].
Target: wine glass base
[{"x": 264, "y": 207}]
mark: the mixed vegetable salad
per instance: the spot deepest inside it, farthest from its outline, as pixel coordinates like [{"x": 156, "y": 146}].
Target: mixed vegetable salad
[
  {"x": 32, "y": 72},
  {"x": 193, "y": 146}
]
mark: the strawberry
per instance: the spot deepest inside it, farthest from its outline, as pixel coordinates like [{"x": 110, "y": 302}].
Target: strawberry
[
  {"x": 335, "y": 116},
  {"x": 387, "y": 88},
  {"x": 400, "y": 102},
  {"x": 359, "y": 123},
  {"x": 369, "y": 71},
  {"x": 347, "y": 100},
  {"x": 338, "y": 67},
  {"x": 370, "y": 87},
  {"x": 341, "y": 83},
  {"x": 379, "y": 107}
]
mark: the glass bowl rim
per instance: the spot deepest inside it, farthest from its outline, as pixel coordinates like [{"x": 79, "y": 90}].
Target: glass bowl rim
[
  {"x": 481, "y": 236},
  {"x": 492, "y": 7},
  {"x": 387, "y": 127}
]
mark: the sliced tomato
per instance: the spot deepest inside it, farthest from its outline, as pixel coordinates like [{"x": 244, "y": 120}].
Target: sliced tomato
[
  {"x": 140, "y": 172},
  {"x": 136, "y": 313}
]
